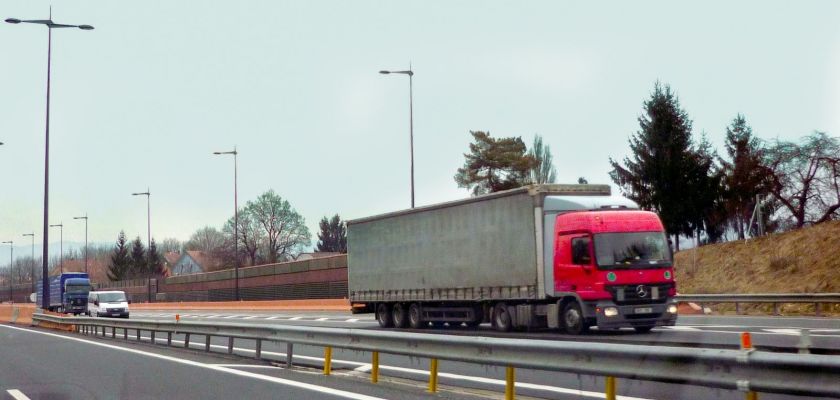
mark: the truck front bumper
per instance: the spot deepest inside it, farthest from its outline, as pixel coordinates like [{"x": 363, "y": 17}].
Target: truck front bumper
[{"x": 638, "y": 315}]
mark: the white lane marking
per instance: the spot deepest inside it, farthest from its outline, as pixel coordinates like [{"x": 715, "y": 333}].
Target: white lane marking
[
  {"x": 365, "y": 367},
  {"x": 245, "y": 366},
  {"x": 294, "y": 318},
  {"x": 272, "y": 318},
  {"x": 784, "y": 331},
  {"x": 231, "y": 316},
  {"x": 17, "y": 394},
  {"x": 251, "y": 317},
  {"x": 321, "y": 319},
  {"x": 681, "y": 328},
  {"x": 352, "y": 320},
  {"x": 287, "y": 382},
  {"x": 210, "y": 316}
]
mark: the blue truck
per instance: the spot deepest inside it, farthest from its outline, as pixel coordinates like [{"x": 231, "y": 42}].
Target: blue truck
[{"x": 68, "y": 293}]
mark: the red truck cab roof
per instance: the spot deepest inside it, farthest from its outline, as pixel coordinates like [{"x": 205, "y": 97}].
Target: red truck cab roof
[{"x": 608, "y": 221}]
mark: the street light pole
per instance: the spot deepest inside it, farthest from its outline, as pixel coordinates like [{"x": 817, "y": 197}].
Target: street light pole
[
  {"x": 61, "y": 246},
  {"x": 235, "y": 218},
  {"x": 32, "y": 279},
  {"x": 86, "y": 242},
  {"x": 410, "y": 74},
  {"x": 50, "y": 26},
  {"x": 148, "y": 195},
  {"x": 11, "y": 264}
]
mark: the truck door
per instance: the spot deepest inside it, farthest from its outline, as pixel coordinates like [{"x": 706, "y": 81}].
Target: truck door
[{"x": 572, "y": 261}]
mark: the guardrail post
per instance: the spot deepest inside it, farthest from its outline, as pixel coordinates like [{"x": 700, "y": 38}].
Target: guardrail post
[
  {"x": 737, "y": 308},
  {"x": 775, "y": 308},
  {"x": 207, "y": 343},
  {"x": 186, "y": 340},
  {"x": 433, "y": 375},
  {"x": 510, "y": 379},
  {"x": 169, "y": 338},
  {"x": 259, "y": 349},
  {"x": 374, "y": 367},
  {"x": 327, "y": 360},
  {"x": 152, "y": 334},
  {"x": 113, "y": 332},
  {"x": 125, "y": 333},
  {"x": 609, "y": 391},
  {"x": 230, "y": 345},
  {"x": 290, "y": 347},
  {"x": 138, "y": 335},
  {"x": 817, "y": 309}
]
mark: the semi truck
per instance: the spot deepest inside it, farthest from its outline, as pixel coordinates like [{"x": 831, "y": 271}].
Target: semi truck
[
  {"x": 68, "y": 293},
  {"x": 565, "y": 257}
]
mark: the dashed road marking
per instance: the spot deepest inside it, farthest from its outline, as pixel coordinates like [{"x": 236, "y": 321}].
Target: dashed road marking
[{"x": 17, "y": 394}]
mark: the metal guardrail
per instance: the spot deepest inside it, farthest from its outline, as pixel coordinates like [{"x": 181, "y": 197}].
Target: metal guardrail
[
  {"x": 775, "y": 298},
  {"x": 744, "y": 370}
]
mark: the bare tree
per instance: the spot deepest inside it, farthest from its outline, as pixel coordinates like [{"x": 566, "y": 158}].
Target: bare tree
[
  {"x": 250, "y": 237},
  {"x": 207, "y": 239},
  {"x": 285, "y": 230},
  {"x": 806, "y": 178}
]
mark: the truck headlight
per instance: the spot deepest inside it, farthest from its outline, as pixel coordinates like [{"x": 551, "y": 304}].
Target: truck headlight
[
  {"x": 610, "y": 312},
  {"x": 672, "y": 309}
]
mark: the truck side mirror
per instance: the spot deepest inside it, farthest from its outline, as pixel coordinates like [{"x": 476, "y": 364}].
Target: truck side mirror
[{"x": 96, "y": 302}]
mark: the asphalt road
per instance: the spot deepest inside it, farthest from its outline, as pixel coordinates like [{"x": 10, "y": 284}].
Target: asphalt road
[{"x": 459, "y": 379}]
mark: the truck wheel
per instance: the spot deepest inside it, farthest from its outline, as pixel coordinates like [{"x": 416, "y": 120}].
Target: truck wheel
[
  {"x": 501, "y": 318},
  {"x": 643, "y": 329},
  {"x": 383, "y": 315},
  {"x": 415, "y": 317},
  {"x": 573, "y": 320},
  {"x": 399, "y": 316}
]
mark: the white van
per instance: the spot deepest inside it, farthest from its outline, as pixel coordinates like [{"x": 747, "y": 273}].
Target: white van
[{"x": 112, "y": 303}]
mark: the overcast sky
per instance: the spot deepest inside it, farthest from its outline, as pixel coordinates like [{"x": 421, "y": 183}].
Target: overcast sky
[{"x": 145, "y": 98}]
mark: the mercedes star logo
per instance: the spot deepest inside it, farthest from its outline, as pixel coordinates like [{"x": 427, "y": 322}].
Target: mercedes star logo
[{"x": 640, "y": 291}]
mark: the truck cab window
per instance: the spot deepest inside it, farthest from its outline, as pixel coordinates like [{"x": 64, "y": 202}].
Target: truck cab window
[{"x": 580, "y": 251}]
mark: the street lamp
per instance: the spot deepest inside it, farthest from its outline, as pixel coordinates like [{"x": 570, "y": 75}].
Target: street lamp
[
  {"x": 148, "y": 195},
  {"x": 50, "y": 26},
  {"x": 235, "y": 217},
  {"x": 32, "y": 279},
  {"x": 11, "y": 264},
  {"x": 410, "y": 74},
  {"x": 61, "y": 246},
  {"x": 86, "y": 243}
]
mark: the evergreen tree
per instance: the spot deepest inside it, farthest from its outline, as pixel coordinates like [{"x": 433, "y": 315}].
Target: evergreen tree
[
  {"x": 333, "y": 235},
  {"x": 155, "y": 261},
  {"x": 707, "y": 211},
  {"x": 139, "y": 264},
  {"x": 657, "y": 176},
  {"x": 582, "y": 181},
  {"x": 493, "y": 165},
  {"x": 745, "y": 174},
  {"x": 118, "y": 269},
  {"x": 543, "y": 170}
]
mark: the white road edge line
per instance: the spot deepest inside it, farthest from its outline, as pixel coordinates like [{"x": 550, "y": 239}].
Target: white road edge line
[
  {"x": 287, "y": 382},
  {"x": 366, "y": 367},
  {"x": 17, "y": 394}
]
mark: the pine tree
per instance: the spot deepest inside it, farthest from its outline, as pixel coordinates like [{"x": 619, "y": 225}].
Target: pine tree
[
  {"x": 139, "y": 265},
  {"x": 745, "y": 173},
  {"x": 493, "y": 165},
  {"x": 333, "y": 235},
  {"x": 155, "y": 261},
  {"x": 657, "y": 176},
  {"x": 120, "y": 263},
  {"x": 543, "y": 170}
]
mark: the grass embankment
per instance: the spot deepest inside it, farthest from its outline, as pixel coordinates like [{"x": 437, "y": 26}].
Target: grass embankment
[{"x": 802, "y": 261}]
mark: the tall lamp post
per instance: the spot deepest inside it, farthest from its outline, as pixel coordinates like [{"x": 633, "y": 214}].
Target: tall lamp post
[
  {"x": 61, "y": 246},
  {"x": 235, "y": 216},
  {"x": 11, "y": 264},
  {"x": 86, "y": 243},
  {"x": 33, "y": 259},
  {"x": 148, "y": 195},
  {"x": 410, "y": 74},
  {"x": 50, "y": 26}
]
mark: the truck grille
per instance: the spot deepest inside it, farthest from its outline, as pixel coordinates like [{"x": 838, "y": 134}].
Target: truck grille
[{"x": 640, "y": 294}]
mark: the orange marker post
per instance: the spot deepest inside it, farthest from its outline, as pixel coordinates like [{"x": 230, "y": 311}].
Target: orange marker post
[
  {"x": 177, "y": 317},
  {"x": 746, "y": 344}
]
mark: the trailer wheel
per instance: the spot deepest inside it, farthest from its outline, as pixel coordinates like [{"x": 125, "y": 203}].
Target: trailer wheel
[
  {"x": 501, "y": 318},
  {"x": 399, "y": 316},
  {"x": 573, "y": 320},
  {"x": 415, "y": 317},
  {"x": 383, "y": 315}
]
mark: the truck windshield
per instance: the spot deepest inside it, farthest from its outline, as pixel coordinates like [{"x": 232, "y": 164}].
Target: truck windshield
[
  {"x": 73, "y": 289},
  {"x": 632, "y": 250},
  {"x": 111, "y": 297}
]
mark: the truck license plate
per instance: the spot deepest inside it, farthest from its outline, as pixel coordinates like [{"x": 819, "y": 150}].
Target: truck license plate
[{"x": 644, "y": 310}]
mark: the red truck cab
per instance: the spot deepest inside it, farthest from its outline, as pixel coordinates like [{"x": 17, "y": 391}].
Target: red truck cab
[{"x": 618, "y": 265}]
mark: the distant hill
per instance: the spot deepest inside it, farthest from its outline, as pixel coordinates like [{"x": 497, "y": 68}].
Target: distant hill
[{"x": 802, "y": 261}]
